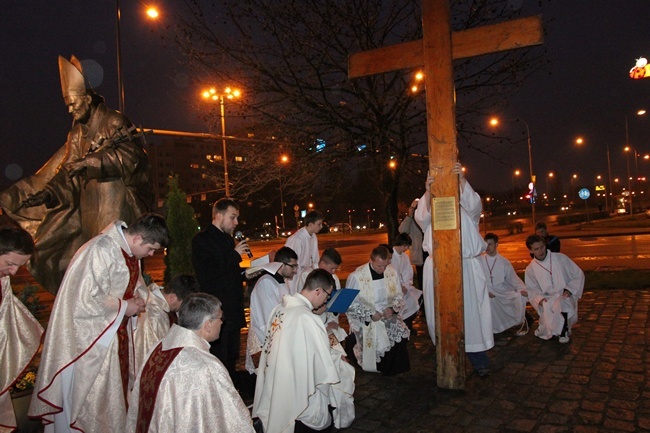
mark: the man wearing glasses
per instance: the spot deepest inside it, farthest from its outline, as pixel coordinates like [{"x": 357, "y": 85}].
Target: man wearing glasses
[
  {"x": 266, "y": 294},
  {"x": 296, "y": 371}
]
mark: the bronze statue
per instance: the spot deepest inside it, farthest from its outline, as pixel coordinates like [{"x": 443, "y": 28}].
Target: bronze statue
[{"x": 101, "y": 174}]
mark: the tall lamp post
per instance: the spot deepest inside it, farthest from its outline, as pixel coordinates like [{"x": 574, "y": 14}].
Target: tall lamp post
[
  {"x": 629, "y": 177},
  {"x": 548, "y": 189},
  {"x": 514, "y": 191},
  {"x": 152, "y": 13},
  {"x": 494, "y": 122},
  {"x": 627, "y": 150},
  {"x": 284, "y": 159},
  {"x": 213, "y": 95},
  {"x": 573, "y": 188}
]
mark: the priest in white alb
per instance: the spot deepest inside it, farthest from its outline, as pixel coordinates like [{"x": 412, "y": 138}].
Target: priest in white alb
[
  {"x": 379, "y": 333},
  {"x": 477, "y": 313},
  {"x": 506, "y": 290},
  {"x": 267, "y": 293},
  {"x": 296, "y": 371},
  {"x": 555, "y": 284}
]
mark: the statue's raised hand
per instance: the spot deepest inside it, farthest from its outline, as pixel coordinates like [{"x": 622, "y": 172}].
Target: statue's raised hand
[{"x": 75, "y": 168}]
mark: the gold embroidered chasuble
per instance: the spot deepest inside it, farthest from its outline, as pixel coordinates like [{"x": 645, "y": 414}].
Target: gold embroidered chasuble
[
  {"x": 191, "y": 393},
  {"x": 82, "y": 338},
  {"x": 20, "y": 336}
]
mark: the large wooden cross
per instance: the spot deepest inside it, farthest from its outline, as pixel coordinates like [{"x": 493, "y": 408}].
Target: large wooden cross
[{"x": 435, "y": 53}]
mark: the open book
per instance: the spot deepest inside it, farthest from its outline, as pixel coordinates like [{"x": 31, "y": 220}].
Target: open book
[
  {"x": 262, "y": 264},
  {"x": 341, "y": 300}
]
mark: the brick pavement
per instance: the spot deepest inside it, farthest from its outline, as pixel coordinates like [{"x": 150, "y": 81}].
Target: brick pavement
[{"x": 596, "y": 383}]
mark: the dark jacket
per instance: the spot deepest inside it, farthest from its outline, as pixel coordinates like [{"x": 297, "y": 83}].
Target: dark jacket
[{"x": 216, "y": 264}]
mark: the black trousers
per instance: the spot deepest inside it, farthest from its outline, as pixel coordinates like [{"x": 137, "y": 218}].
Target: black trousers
[{"x": 226, "y": 348}]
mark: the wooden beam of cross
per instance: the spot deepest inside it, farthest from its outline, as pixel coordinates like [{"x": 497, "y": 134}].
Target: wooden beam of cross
[{"x": 435, "y": 53}]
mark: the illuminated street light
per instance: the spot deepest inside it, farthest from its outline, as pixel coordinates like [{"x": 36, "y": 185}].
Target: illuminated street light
[
  {"x": 514, "y": 192},
  {"x": 284, "y": 159},
  {"x": 573, "y": 190},
  {"x": 151, "y": 13},
  {"x": 629, "y": 178},
  {"x": 214, "y": 95},
  {"x": 627, "y": 151},
  {"x": 494, "y": 122}
]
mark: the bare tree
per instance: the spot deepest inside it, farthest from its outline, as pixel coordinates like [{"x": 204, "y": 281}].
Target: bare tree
[{"x": 292, "y": 56}]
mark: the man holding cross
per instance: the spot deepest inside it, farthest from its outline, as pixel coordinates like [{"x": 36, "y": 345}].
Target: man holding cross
[
  {"x": 478, "y": 317},
  {"x": 435, "y": 53}
]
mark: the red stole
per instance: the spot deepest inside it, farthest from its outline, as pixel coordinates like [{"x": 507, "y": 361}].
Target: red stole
[
  {"x": 152, "y": 374},
  {"x": 173, "y": 318},
  {"x": 122, "y": 333}
]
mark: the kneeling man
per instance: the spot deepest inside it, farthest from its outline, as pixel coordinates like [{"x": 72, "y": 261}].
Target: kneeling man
[
  {"x": 506, "y": 290},
  {"x": 380, "y": 332},
  {"x": 182, "y": 387},
  {"x": 554, "y": 286},
  {"x": 296, "y": 371}
]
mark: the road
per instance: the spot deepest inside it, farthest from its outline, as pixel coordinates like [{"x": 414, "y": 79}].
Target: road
[{"x": 590, "y": 253}]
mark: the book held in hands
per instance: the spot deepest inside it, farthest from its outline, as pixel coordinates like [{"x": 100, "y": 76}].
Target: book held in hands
[{"x": 341, "y": 300}]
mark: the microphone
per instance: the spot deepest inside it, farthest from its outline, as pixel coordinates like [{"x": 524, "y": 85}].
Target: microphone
[{"x": 240, "y": 237}]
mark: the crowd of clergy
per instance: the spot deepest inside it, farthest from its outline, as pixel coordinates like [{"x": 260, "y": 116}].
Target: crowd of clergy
[{"x": 121, "y": 355}]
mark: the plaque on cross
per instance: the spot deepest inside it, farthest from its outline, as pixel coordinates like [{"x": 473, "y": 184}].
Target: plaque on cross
[{"x": 435, "y": 53}]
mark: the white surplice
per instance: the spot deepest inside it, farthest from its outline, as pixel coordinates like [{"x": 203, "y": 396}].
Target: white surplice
[
  {"x": 343, "y": 392},
  {"x": 374, "y": 339},
  {"x": 20, "y": 336},
  {"x": 296, "y": 370},
  {"x": 478, "y": 316},
  {"x": 195, "y": 394},
  {"x": 508, "y": 305},
  {"x": 266, "y": 295},
  {"x": 402, "y": 264},
  {"x": 547, "y": 279},
  {"x": 306, "y": 247}
]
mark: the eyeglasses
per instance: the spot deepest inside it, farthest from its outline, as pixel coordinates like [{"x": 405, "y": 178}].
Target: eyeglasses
[
  {"x": 294, "y": 266},
  {"x": 329, "y": 294}
]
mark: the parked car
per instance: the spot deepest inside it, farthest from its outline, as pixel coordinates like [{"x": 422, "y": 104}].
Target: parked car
[
  {"x": 286, "y": 232},
  {"x": 264, "y": 234},
  {"x": 341, "y": 228}
]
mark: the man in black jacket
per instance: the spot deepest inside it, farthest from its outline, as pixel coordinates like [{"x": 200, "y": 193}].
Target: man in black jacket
[{"x": 216, "y": 261}]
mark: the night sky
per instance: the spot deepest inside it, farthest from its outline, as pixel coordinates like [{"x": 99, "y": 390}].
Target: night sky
[{"x": 584, "y": 91}]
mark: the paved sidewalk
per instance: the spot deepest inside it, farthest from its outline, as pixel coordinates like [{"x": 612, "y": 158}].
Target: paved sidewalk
[{"x": 596, "y": 383}]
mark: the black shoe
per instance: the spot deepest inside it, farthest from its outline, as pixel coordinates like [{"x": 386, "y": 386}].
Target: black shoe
[
  {"x": 483, "y": 372},
  {"x": 529, "y": 319}
]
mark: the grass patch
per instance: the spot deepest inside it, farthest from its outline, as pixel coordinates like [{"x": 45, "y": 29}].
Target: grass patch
[
  {"x": 631, "y": 279},
  {"x": 634, "y": 221}
]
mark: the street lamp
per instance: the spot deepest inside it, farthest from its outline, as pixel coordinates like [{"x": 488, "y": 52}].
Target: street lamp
[
  {"x": 629, "y": 178},
  {"x": 494, "y": 122},
  {"x": 284, "y": 159},
  {"x": 548, "y": 190},
  {"x": 514, "y": 192},
  {"x": 213, "y": 95},
  {"x": 573, "y": 189},
  {"x": 151, "y": 13},
  {"x": 627, "y": 150}
]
